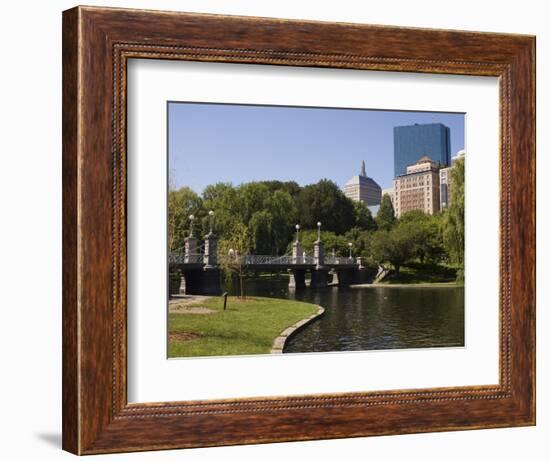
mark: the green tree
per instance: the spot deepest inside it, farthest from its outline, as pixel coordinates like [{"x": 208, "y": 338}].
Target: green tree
[
  {"x": 331, "y": 242},
  {"x": 292, "y": 187},
  {"x": 252, "y": 198},
  {"x": 363, "y": 217},
  {"x": 425, "y": 235},
  {"x": 325, "y": 202},
  {"x": 394, "y": 246},
  {"x": 385, "y": 218},
  {"x": 360, "y": 241},
  {"x": 181, "y": 204},
  {"x": 435, "y": 251},
  {"x": 232, "y": 250},
  {"x": 223, "y": 199},
  {"x": 261, "y": 232},
  {"x": 283, "y": 210},
  {"x": 453, "y": 226}
]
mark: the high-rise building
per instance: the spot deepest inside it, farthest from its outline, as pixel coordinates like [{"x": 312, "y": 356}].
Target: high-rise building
[
  {"x": 413, "y": 141},
  {"x": 445, "y": 187},
  {"x": 418, "y": 188},
  {"x": 445, "y": 182},
  {"x": 361, "y": 188}
]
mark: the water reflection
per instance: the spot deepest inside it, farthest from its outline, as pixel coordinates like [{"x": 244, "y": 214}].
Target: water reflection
[{"x": 374, "y": 318}]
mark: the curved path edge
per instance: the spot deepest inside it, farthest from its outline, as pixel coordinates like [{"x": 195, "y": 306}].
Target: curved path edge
[{"x": 279, "y": 341}]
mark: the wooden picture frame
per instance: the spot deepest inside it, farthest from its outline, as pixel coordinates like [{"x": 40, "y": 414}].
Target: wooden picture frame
[{"x": 97, "y": 43}]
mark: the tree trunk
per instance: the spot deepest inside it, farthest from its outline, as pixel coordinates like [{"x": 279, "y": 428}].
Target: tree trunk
[{"x": 241, "y": 284}]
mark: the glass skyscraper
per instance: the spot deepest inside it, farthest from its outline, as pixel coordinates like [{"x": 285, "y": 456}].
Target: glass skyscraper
[{"x": 412, "y": 142}]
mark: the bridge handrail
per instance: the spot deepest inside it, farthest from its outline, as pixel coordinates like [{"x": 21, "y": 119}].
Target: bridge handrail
[
  {"x": 278, "y": 260},
  {"x": 181, "y": 258},
  {"x": 335, "y": 260},
  {"x": 178, "y": 257}
]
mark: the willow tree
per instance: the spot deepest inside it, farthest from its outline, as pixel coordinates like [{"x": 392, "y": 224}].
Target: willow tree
[
  {"x": 261, "y": 233},
  {"x": 453, "y": 227}
]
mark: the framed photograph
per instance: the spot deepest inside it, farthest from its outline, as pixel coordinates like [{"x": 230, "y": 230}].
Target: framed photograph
[{"x": 282, "y": 230}]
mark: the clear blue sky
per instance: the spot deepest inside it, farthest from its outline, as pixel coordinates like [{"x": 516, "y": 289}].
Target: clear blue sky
[{"x": 210, "y": 143}]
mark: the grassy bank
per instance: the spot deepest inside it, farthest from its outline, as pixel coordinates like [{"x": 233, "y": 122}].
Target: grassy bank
[
  {"x": 421, "y": 273},
  {"x": 203, "y": 328}
]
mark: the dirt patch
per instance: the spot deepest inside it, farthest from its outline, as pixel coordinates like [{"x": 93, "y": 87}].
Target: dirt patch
[
  {"x": 237, "y": 300},
  {"x": 187, "y": 309},
  {"x": 189, "y": 305},
  {"x": 191, "y": 310},
  {"x": 188, "y": 299},
  {"x": 182, "y": 336}
]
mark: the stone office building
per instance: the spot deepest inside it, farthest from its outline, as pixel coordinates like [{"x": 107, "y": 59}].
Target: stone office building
[
  {"x": 445, "y": 188},
  {"x": 445, "y": 182},
  {"x": 362, "y": 188},
  {"x": 418, "y": 188}
]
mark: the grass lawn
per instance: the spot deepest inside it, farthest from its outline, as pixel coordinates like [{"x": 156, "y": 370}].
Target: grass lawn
[
  {"x": 247, "y": 326},
  {"x": 422, "y": 273}
]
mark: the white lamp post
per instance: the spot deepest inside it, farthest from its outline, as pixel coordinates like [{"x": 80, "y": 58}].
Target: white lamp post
[
  {"x": 211, "y": 216},
  {"x": 191, "y": 219}
]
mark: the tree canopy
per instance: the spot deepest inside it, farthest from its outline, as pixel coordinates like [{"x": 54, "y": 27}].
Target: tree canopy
[
  {"x": 260, "y": 217},
  {"x": 325, "y": 202},
  {"x": 181, "y": 204},
  {"x": 385, "y": 218}
]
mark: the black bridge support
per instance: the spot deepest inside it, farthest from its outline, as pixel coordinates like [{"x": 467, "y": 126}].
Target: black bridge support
[
  {"x": 297, "y": 278},
  {"x": 201, "y": 279},
  {"x": 345, "y": 277},
  {"x": 206, "y": 281},
  {"x": 364, "y": 275},
  {"x": 319, "y": 277}
]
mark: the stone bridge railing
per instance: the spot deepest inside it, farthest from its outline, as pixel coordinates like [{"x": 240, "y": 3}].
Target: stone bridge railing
[
  {"x": 284, "y": 260},
  {"x": 179, "y": 257},
  {"x": 334, "y": 260}
]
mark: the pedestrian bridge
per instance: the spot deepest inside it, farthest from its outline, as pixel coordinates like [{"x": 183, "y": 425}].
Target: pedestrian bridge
[
  {"x": 200, "y": 263},
  {"x": 201, "y": 271}
]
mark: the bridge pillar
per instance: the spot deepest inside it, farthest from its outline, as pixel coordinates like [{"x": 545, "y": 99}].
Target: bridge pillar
[
  {"x": 334, "y": 274},
  {"x": 345, "y": 277},
  {"x": 190, "y": 249},
  {"x": 297, "y": 253},
  {"x": 211, "y": 281},
  {"x": 364, "y": 274},
  {"x": 297, "y": 278},
  {"x": 210, "y": 250},
  {"x": 319, "y": 277},
  {"x": 203, "y": 281},
  {"x": 319, "y": 253}
]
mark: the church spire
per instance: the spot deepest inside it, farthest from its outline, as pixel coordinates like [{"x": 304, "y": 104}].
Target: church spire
[{"x": 363, "y": 172}]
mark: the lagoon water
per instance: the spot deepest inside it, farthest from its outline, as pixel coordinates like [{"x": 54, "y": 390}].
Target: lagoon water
[{"x": 371, "y": 318}]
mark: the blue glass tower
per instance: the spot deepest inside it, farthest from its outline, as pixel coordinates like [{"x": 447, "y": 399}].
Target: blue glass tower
[{"x": 414, "y": 141}]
